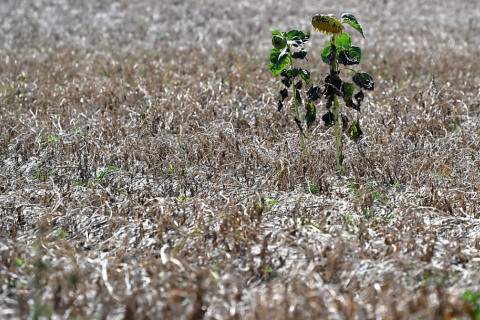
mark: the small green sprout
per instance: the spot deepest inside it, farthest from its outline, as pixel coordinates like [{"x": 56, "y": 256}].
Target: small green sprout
[
  {"x": 76, "y": 127},
  {"x": 271, "y": 272},
  {"x": 271, "y": 204},
  {"x": 105, "y": 172},
  {"x": 348, "y": 218},
  {"x": 61, "y": 234},
  {"x": 314, "y": 189},
  {"x": 472, "y": 305},
  {"x": 397, "y": 186},
  {"x": 353, "y": 189},
  {"x": 19, "y": 262},
  {"x": 183, "y": 199},
  {"x": 41, "y": 311},
  {"x": 261, "y": 206},
  {"x": 47, "y": 142}
]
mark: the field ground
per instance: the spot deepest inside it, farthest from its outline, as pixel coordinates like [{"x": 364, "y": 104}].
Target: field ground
[{"x": 145, "y": 172}]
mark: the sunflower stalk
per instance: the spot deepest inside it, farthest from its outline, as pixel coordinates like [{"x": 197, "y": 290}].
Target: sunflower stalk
[
  {"x": 295, "y": 102},
  {"x": 336, "y": 111}
]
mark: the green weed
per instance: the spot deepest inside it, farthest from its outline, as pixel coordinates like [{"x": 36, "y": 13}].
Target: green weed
[
  {"x": 445, "y": 174},
  {"x": 76, "y": 126},
  {"x": 105, "y": 172},
  {"x": 42, "y": 174},
  {"x": 314, "y": 189},
  {"x": 61, "y": 234},
  {"x": 47, "y": 142},
  {"x": 183, "y": 199},
  {"x": 41, "y": 311},
  {"x": 272, "y": 273},
  {"x": 19, "y": 262},
  {"x": 472, "y": 304},
  {"x": 271, "y": 204}
]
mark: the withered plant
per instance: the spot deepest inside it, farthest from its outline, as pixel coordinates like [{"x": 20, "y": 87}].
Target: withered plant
[
  {"x": 340, "y": 50},
  {"x": 287, "y": 47}
]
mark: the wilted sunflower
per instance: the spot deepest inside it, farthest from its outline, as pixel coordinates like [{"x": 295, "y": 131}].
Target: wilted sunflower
[{"x": 327, "y": 23}]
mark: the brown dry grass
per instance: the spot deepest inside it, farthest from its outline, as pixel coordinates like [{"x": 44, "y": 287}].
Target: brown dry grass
[{"x": 146, "y": 173}]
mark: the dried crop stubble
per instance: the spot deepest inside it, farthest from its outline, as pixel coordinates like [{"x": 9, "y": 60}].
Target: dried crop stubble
[{"x": 119, "y": 85}]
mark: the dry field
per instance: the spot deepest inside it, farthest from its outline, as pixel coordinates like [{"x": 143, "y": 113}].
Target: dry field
[{"x": 145, "y": 172}]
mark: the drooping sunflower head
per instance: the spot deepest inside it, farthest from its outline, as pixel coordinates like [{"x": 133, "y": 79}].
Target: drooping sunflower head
[{"x": 327, "y": 23}]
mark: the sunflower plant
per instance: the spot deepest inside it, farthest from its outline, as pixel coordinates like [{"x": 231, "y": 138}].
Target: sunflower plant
[
  {"x": 288, "y": 47},
  {"x": 340, "y": 51}
]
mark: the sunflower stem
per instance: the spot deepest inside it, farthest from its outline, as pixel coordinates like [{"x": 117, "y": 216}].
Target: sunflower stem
[
  {"x": 338, "y": 137},
  {"x": 297, "y": 114}
]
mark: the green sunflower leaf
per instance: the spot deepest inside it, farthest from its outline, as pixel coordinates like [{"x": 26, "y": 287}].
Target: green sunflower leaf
[
  {"x": 290, "y": 73},
  {"x": 351, "y": 20},
  {"x": 347, "y": 90},
  {"x": 343, "y": 41},
  {"x": 329, "y": 119},
  {"x": 326, "y": 52},
  {"x": 351, "y": 56},
  {"x": 297, "y": 33},
  {"x": 355, "y": 131},
  {"x": 278, "y": 60},
  {"x": 297, "y": 38},
  {"x": 19, "y": 262},
  {"x": 305, "y": 74},
  {"x": 311, "y": 113},
  {"x": 364, "y": 80},
  {"x": 302, "y": 54}
]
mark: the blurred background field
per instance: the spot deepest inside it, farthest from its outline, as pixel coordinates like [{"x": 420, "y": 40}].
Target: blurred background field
[{"x": 145, "y": 172}]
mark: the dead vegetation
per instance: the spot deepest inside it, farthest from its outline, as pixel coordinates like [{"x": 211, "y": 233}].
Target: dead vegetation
[{"x": 146, "y": 173}]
